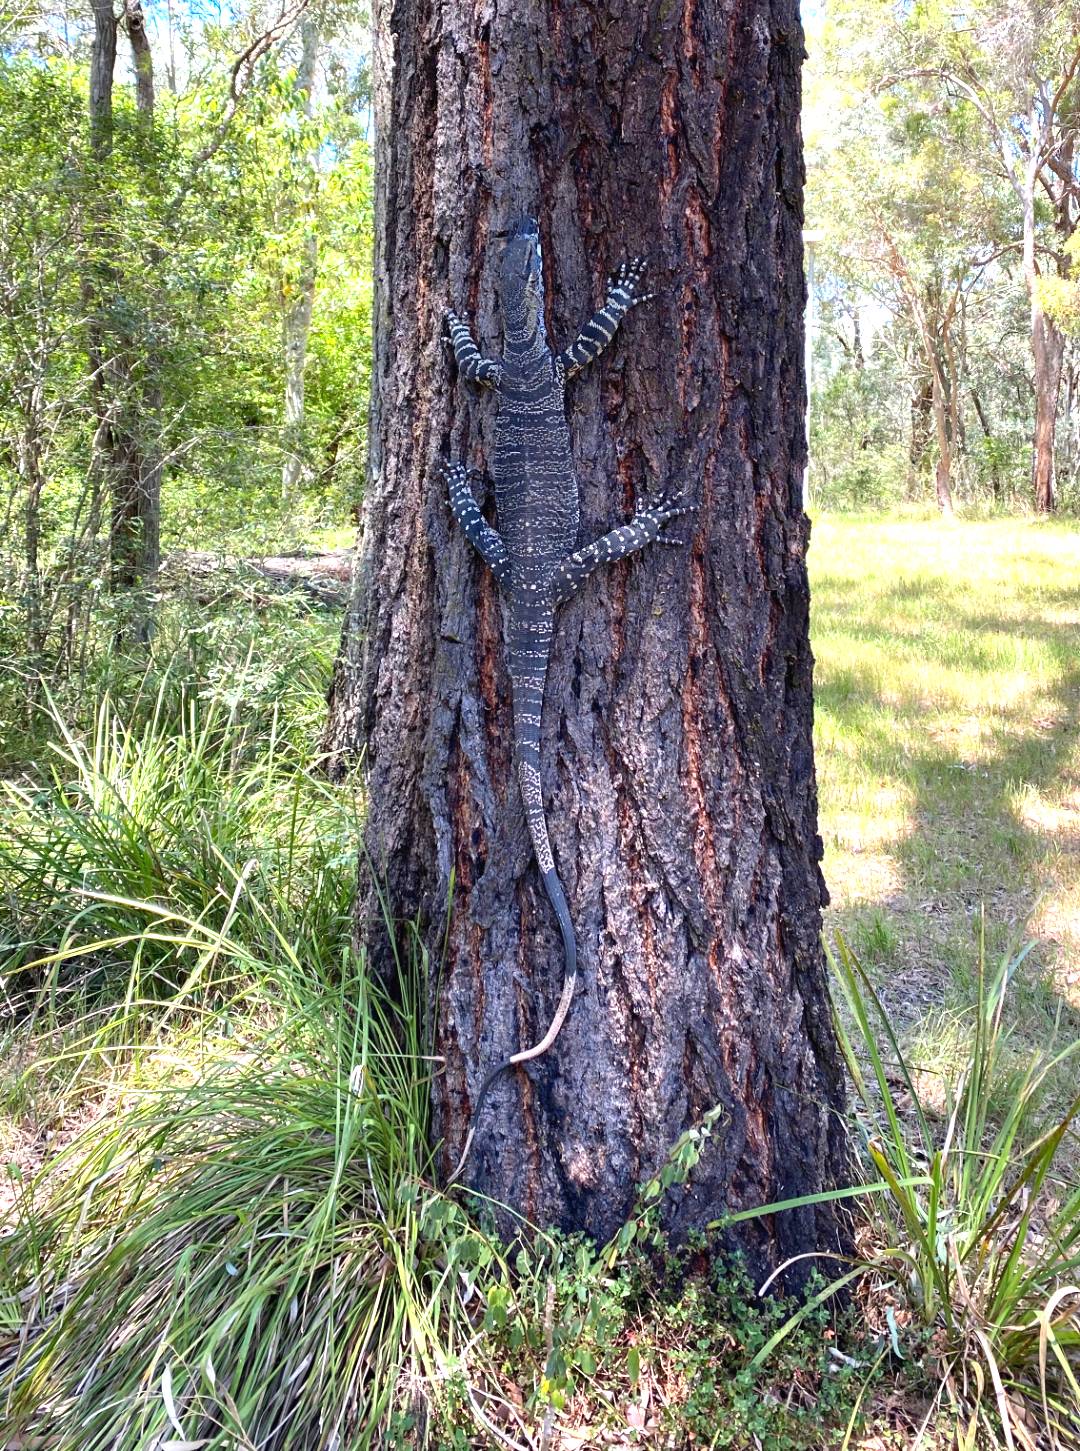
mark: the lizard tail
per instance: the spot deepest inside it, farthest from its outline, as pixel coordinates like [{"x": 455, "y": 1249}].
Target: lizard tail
[{"x": 529, "y": 781}]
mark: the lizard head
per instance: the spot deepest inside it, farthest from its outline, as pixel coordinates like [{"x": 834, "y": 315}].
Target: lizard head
[{"x": 522, "y": 285}]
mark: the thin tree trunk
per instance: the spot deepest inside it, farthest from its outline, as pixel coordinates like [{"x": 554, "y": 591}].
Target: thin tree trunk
[
  {"x": 922, "y": 421},
  {"x": 677, "y": 753},
  {"x": 1047, "y": 350},
  {"x": 142, "y": 57},
  {"x": 984, "y": 423},
  {"x": 126, "y": 415},
  {"x": 943, "y": 467},
  {"x": 94, "y": 272},
  {"x": 136, "y": 510},
  {"x": 102, "y": 66},
  {"x": 299, "y": 306},
  {"x": 33, "y": 476}
]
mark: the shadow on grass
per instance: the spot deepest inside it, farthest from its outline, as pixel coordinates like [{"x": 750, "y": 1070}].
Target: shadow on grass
[{"x": 946, "y": 728}]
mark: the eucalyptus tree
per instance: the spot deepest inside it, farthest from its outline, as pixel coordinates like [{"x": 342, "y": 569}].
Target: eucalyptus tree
[
  {"x": 44, "y": 390},
  {"x": 136, "y": 368},
  {"x": 1016, "y": 64},
  {"x": 910, "y": 218},
  {"x": 677, "y": 736}
]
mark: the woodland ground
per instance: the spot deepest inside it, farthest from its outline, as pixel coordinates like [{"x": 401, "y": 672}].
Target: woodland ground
[
  {"x": 948, "y": 754},
  {"x": 947, "y": 727}
]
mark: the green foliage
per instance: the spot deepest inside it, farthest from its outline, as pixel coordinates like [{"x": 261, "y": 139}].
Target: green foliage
[
  {"x": 917, "y": 123},
  {"x": 143, "y": 289},
  {"x": 856, "y": 461},
  {"x": 254, "y": 1256},
  {"x": 203, "y": 786},
  {"x": 977, "y": 1222},
  {"x": 1060, "y": 295}
]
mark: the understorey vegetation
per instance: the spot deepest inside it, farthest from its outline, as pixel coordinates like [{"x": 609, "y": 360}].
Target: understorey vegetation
[{"x": 223, "y": 1225}]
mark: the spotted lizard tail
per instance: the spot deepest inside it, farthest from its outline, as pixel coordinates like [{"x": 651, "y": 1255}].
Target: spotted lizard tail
[{"x": 531, "y": 642}]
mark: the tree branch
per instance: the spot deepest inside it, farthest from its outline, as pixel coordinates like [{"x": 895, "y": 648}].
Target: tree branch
[{"x": 241, "y": 74}]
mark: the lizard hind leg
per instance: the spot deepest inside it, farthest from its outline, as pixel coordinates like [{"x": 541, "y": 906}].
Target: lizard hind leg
[{"x": 646, "y": 527}]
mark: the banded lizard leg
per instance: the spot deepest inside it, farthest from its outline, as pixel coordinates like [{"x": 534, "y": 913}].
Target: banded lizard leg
[
  {"x": 470, "y": 360},
  {"x": 622, "y": 294},
  {"x": 477, "y": 530},
  {"x": 644, "y": 528}
]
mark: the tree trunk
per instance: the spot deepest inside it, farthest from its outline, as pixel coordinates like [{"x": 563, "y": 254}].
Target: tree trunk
[
  {"x": 1048, "y": 350},
  {"x": 142, "y": 59},
  {"x": 943, "y": 467},
  {"x": 677, "y": 753},
  {"x": 102, "y": 66},
  {"x": 127, "y": 415},
  {"x": 300, "y": 304},
  {"x": 922, "y": 421}
]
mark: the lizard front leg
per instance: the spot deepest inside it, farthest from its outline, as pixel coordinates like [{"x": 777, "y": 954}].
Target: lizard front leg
[
  {"x": 476, "y": 528},
  {"x": 644, "y": 528},
  {"x": 622, "y": 295},
  {"x": 470, "y": 360}
]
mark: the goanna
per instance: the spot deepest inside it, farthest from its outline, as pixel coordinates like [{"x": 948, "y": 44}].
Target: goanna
[{"x": 532, "y": 552}]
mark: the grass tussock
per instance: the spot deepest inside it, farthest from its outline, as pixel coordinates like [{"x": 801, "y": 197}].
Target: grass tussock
[
  {"x": 179, "y": 815},
  {"x": 971, "y": 1237},
  {"x": 255, "y": 1257}
]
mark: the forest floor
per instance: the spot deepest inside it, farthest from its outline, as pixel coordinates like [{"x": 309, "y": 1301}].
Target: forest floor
[
  {"x": 948, "y": 755},
  {"x": 947, "y": 729},
  {"x": 947, "y": 699}
]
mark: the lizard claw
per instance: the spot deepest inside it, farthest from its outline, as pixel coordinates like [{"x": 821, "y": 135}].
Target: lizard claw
[
  {"x": 666, "y": 507},
  {"x": 625, "y": 281}
]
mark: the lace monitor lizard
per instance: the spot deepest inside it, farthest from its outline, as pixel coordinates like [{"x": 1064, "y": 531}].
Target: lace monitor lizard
[{"x": 532, "y": 553}]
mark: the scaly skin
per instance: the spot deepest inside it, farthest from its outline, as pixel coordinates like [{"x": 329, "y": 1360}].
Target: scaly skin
[{"x": 532, "y": 553}]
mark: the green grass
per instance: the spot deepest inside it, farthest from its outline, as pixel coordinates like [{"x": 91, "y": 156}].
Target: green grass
[
  {"x": 947, "y": 725},
  {"x": 226, "y": 1231}
]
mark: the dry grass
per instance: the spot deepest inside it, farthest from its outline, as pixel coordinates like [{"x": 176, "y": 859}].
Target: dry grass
[{"x": 948, "y": 749}]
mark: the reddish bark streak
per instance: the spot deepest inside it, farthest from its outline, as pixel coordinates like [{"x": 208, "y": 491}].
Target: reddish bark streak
[
  {"x": 692, "y": 718},
  {"x": 669, "y": 130}
]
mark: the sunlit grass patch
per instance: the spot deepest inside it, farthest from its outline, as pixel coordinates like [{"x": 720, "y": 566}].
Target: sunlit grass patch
[{"x": 947, "y": 703}]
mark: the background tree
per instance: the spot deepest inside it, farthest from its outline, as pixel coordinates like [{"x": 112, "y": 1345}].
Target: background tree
[
  {"x": 1019, "y": 68},
  {"x": 952, "y": 131},
  {"x": 915, "y": 223},
  {"x": 677, "y": 751},
  {"x": 141, "y": 270}
]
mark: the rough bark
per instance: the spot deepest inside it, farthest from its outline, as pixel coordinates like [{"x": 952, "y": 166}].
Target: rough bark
[
  {"x": 142, "y": 58},
  {"x": 922, "y": 420},
  {"x": 678, "y": 760},
  {"x": 943, "y": 466},
  {"x": 102, "y": 66},
  {"x": 1048, "y": 350}
]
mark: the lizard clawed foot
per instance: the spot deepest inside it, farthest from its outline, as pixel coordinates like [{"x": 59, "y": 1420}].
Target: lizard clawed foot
[
  {"x": 453, "y": 477},
  {"x": 624, "y": 282},
  {"x": 655, "y": 516}
]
